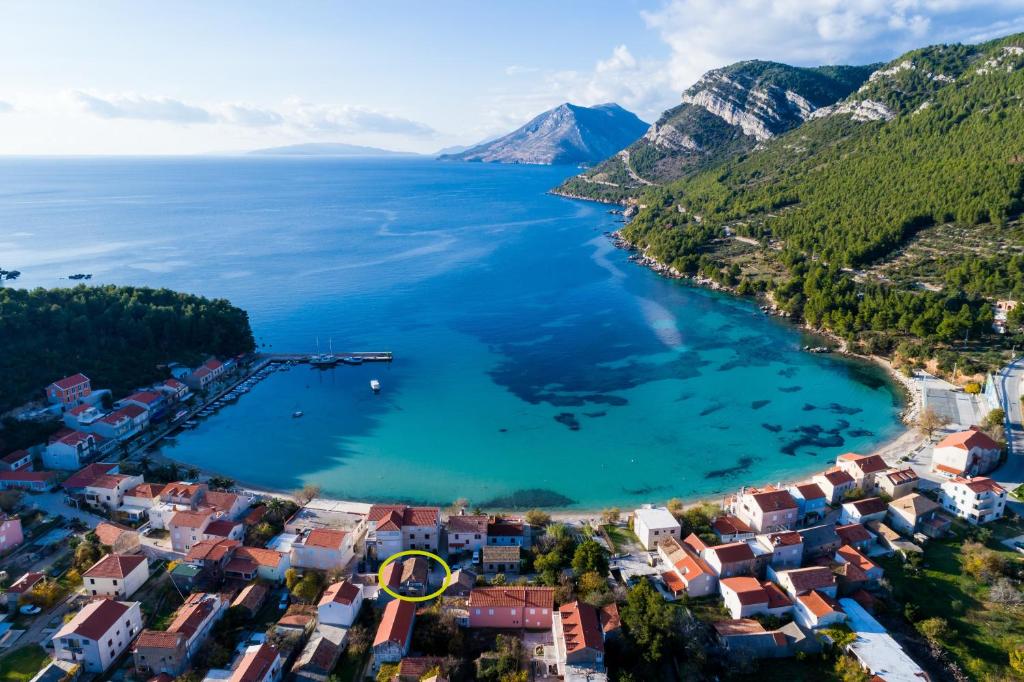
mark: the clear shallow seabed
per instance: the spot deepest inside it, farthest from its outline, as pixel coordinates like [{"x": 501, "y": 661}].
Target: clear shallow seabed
[{"x": 534, "y": 363}]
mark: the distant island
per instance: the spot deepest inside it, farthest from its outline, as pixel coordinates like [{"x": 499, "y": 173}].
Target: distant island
[
  {"x": 567, "y": 134},
  {"x": 327, "y": 149}
]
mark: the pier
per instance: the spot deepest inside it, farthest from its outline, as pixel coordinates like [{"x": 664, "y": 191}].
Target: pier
[{"x": 364, "y": 355}]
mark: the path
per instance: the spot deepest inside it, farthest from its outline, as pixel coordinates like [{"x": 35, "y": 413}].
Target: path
[{"x": 624, "y": 155}]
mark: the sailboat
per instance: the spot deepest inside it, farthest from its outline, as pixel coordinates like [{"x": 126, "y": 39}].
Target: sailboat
[{"x": 323, "y": 359}]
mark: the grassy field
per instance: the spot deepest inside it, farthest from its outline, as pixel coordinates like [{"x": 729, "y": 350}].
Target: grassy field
[
  {"x": 984, "y": 632},
  {"x": 622, "y": 538},
  {"x": 22, "y": 664}
]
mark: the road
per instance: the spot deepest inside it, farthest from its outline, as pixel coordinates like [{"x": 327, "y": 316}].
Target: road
[{"x": 1011, "y": 473}]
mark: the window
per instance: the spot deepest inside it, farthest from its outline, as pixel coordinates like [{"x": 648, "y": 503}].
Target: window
[
  {"x": 533, "y": 612},
  {"x": 513, "y": 612},
  {"x": 477, "y": 612},
  {"x": 490, "y": 612}
]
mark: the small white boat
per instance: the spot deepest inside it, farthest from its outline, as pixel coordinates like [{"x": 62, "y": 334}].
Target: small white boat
[
  {"x": 374, "y": 385},
  {"x": 296, "y": 414}
]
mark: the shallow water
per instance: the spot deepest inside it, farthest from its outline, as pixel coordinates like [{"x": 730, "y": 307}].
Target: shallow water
[{"x": 534, "y": 363}]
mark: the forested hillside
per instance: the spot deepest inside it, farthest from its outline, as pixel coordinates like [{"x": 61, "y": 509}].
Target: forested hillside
[
  {"x": 115, "y": 335},
  {"x": 933, "y": 139}
]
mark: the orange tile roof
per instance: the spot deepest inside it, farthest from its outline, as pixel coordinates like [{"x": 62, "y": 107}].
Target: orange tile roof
[
  {"x": 115, "y": 566},
  {"x": 342, "y": 592},
  {"x": 819, "y": 604},
  {"x": 902, "y": 476},
  {"x": 855, "y": 558},
  {"x": 262, "y": 557},
  {"x": 71, "y": 381},
  {"x": 149, "y": 490},
  {"x": 581, "y": 627},
  {"x": 748, "y": 590},
  {"x": 212, "y": 550},
  {"x": 810, "y": 491},
  {"x": 774, "y": 500},
  {"x": 949, "y": 469},
  {"x": 219, "y": 500},
  {"x": 966, "y": 440},
  {"x": 255, "y": 665},
  {"x": 730, "y": 525},
  {"x": 88, "y": 474},
  {"x": 853, "y": 533},
  {"x": 981, "y": 484},
  {"x": 811, "y": 578},
  {"x": 869, "y": 505},
  {"x": 251, "y": 596},
  {"x": 189, "y": 519},
  {"x": 396, "y": 623},
  {"x": 326, "y": 538},
  {"x": 467, "y": 523},
  {"x": 160, "y": 639},
  {"x": 536, "y": 597},
  {"x": 191, "y": 615},
  {"x": 732, "y": 552},
  {"x": 837, "y": 477},
  {"x": 673, "y": 581}
]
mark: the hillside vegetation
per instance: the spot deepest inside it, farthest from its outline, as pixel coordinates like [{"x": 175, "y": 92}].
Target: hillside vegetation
[{"x": 115, "y": 335}]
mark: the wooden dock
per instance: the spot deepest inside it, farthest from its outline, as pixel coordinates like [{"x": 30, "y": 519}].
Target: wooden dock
[{"x": 364, "y": 355}]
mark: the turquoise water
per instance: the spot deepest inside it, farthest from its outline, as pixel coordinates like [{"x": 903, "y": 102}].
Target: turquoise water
[{"x": 534, "y": 363}]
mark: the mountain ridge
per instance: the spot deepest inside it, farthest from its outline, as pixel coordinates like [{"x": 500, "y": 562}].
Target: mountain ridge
[{"x": 326, "y": 149}]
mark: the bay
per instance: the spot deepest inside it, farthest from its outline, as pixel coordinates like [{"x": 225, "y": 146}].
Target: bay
[{"x": 533, "y": 363}]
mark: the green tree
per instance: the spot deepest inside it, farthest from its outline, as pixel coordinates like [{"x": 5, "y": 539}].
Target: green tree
[
  {"x": 387, "y": 672},
  {"x": 291, "y": 578},
  {"x": 649, "y": 621},
  {"x": 308, "y": 589},
  {"x": 936, "y": 630},
  {"x": 590, "y": 557},
  {"x": 538, "y": 518}
]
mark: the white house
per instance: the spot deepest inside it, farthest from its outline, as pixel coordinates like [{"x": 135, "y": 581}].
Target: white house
[
  {"x": 654, "y": 524},
  {"x": 687, "y": 573},
  {"x": 340, "y": 604},
  {"x": 68, "y": 450},
  {"x": 259, "y": 663},
  {"x": 323, "y": 549},
  {"x": 98, "y": 634},
  {"x": 766, "y": 510},
  {"x": 862, "y": 511},
  {"x": 977, "y": 500},
  {"x": 391, "y": 528},
  {"x": 394, "y": 634},
  {"x": 967, "y": 453},
  {"x": 117, "y": 576},
  {"x": 108, "y": 490},
  {"x": 862, "y": 468},
  {"x": 745, "y": 596},
  {"x": 467, "y": 532},
  {"x": 816, "y": 609},
  {"x": 835, "y": 483}
]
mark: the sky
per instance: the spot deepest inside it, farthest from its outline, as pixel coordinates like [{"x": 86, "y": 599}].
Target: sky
[{"x": 146, "y": 77}]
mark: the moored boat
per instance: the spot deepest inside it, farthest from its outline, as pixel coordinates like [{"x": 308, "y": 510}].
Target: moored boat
[{"x": 374, "y": 385}]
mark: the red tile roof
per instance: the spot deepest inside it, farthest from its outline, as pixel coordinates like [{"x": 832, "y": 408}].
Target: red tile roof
[
  {"x": 115, "y": 566},
  {"x": 748, "y": 590},
  {"x": 145, "y": 397},
  {"x": 181, "y": 489},
  {"x": 468, "y": 523},
  {"x": 902, "y": 476},
  {"x": 159, "y": 639},
  {"x": 789, "y": 537},
  {"x": 95, "y": 619},
  {"x": 581, "y": 627},
  {"x": 506, "y": 529},
  {"x": 70, "y": 437},
  {"x": 326, "y": 538},
  {"x": 211, "y": 550},
  {"x": 108, "y": 481},
  {"x": 966, "y": 440},
  {"x": 819, "y": 603},
  {"x": 536, "y": 597},
  {"x": 774, "y": 500},
  {"x": 193, "y": 613},
  {"x": 220, "y": 500},
  {"x": 190, "y": 519},
  {"x": 342, "y": 592},
  {"x": 869, "y": 505},
  {"x": 777, "y": 599},
  {"x": 868, "y": 464},
  {"x": 396, "y": 623},
  {"x": 86, "y": 475},
  {"x": 213, "y": 364},
  {"x": 21, "y": 475},
  {"x": 251, "y": 596},
  {"x": 255, "y": 664},
  {"x": 147, "y": 490},
  {"x": 132, "y": 411},
  {"x": 71, "y": 381},
  {"x": 811, "y": 578},
  {"x": 981, "y": 484},
  {"x": 730, "y": 525},
  {"x": 810, "y": 491},
  {"x": 855, "y": 558},
  {"x": 852, "y": 533},
  {"x": 12, "y": 457},
  {"x": 25, "y": 583},
  {"x": 260, "y": 556},
  {"x": 221, "y": 527},
  {"x": 732, "y": 552},
  {"x": 949, "y": 469},
  {"x": 837, "y": 477}
]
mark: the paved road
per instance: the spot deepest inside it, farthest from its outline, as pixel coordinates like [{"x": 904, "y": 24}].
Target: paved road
[{"x": 1011, "y": 474}]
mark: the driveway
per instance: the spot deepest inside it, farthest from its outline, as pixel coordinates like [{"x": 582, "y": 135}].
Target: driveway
[{"x": 53, "y": 504}]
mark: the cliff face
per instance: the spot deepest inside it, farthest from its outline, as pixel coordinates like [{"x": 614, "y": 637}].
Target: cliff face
[
  {"x": 566, "y": 134},
  {"x": 728, "y": 111}
]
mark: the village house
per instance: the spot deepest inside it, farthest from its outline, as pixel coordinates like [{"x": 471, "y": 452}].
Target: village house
[
  {"x": 855, "y": 535},
  {"x": 467, "y": 532},
  {"x": 319, "y": 657},
  {"x": 23, "y": 479},
  {"x": 816, "y": 609},
  {"x": 862, "y": 468},
  {"x": 228, "y": 505},
  {"x": 82, "y": 417},
  {"x": 107, "y": 491},
  {"x": 121, "y": 540},
  {"x": 977, "y": 500},
  {"x": 765, "y": 510},
  {"x": 153, "y": 402},
  {"x": 187, "y": 528},
  {"x": 578, "y": 631},
  {"x": 394, "y": 634},
  {"x": 728, "y": 528},
  {"x": 408, "y": 577},
  {"x": 462, "y": 583},
  {"x": 116, "y": 576},
  {"x": 785, "y": 549},
  {"x": 687, "y": 573},
  {"x": 745, "y": 596},
  {"x": 340, "y": 604},
  {"x": 747, "y": 639},
  {"x": 171, "y": 651},
  {"x": 11, "y": 534},
  {"x": 138, "y": 501},
  {"x": 508, "y": 532},
  {"x": 123, "y": 424},
  {"x": 734, "y": 558},
  {"x": 854, "y": 570},
  {"x": 211, "y": 557},
  {"x": 175, "y": 390},
  {"x": 323, "y": 550},
  {"x": 98, "y": 634},
  {"x": 175, "y": 497},
  {"x": 501, "y": 559},
  {"x": 896, "y": 483},
  {"x": 298, "y": 621},
  {"x": 259, "y": 663},
  {"x": 967, "y": 453},
  {"x": 862, "y": 511},
  {"x": 799, "y": 581},
  {"x": 251, "y": 598},
  {"x": 16, "y": 461},
  {"x": 249, "y": 563},
  {"x": 910, "y": 514},
  {"x": 811, "y": 502},
  {"x": 18, "y": 590},
  {"x": 511, "y": 607},
  {"x": 652, "y": 524},
  {"x": 69, "y": 390},
  {"x": 392, "y": 528},
  {"x": 835, "y": 483},
  {"x": 68, "y": 450},
  {"x": 76, "y": 483}
]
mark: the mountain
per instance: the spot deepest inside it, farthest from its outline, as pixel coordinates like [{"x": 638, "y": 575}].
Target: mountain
[
  {"x": 566, "y": 134},
  {"x": 327, "y": 149},
  {"x": 727, "y": 112},
  {"x": 891, "y": 217}
]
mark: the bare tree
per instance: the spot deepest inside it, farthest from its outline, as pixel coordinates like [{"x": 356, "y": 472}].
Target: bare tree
[
  {"x": 930, "y": 421},
  {"x": 307, "y": 493}
]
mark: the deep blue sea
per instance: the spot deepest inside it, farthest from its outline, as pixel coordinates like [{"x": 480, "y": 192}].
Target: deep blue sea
[{"x": 533, "y": 362}]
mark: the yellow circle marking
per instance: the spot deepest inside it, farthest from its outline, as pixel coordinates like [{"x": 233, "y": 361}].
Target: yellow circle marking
[{"x": 415, "y": 552}]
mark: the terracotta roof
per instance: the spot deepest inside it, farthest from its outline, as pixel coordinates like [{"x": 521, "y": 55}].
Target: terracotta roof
[
  {"x": 319, "y": 654},
  {"x": 416, "y": 666},
  {"x": 193, "y": 613},
  {"x": 415, "y": 568},
  {"x": 739, "y": 626},
  {"x": 852, "y": 533},
  {"x": 500, "y": 554},
  {"x": 87, "y": 474},
  {"x": 914, "y": 504},
  {"x": 837, "y": 477},
  {"x": 392, "y": 575},
  {"x": 505, "y": 529},
  {"x": 160, "y": 639},
  {"x": 251, "y": 596},
  {"x": 732, "y": 552},
  {"x": 410, "y": 516},
  {"x": 181, "y": 489},
  {"x": 536, "y": 597},
  {"x": 70, "y": 437},
  {"x": 392, "y": 521},
  {"x": 855, "y": 558},
  {"x": 71, "y": 381},
  {"x": 94, "y": 620},
  {"x": 981, "y": 484},
  {"x": 868, "y": 464},
  {"x": 326, "y": 538},
  {"x": 902, "y": 476},
  {"x": 342, "y": 592},
  {"x": 242, "y": 565},
  {"x": 694, "y": 543},
  {"x": 211, "y": 550},
  {"x": 79, "y": 409},
  {"x": 146, "y": 397},
  {"x": 673, "y": 581},
  {"x": 610, "y": 619},
  {"x": 467, "y": 523},
  {"x": 777, "y": 599},
  {"x": 25, "y": 583},
  {"x": 201, "y": 372},
  {"x": 811, "y": 578},
  {"x": 175, "y": 384},
  {"x": 581, "y": 627},
  {"x": 148, "y": 490},
  {"x": 12, "y": 457},
  {"x": 221, "y": 527},
  {"x": 220, "y": 500},
  {"x": 748, "y": 590},
  {"x": 819, "y": 603},
  {"x": 685, "y": 561},
  {"x": 730, "y": 525},
  {"x": 132, "y": 411},
  {"x": 869, "y": 505},
  {"x": 965, "y": 440},
  {"x": 114, "y": 566},
  {"x": 396, "y": 623},
  {"x": 108, "y": 481},
  {"x": 191, "y": 519},
  {"x": 213, "y": 363},
  {"x": 774, "y": 500},
  {"x": 789, "y": 537},
  {"x": 949, "y": 469},
  {"x": 27, "y": 476},
  {"x": 263, "y": 557},
  {"x": 810, "y": 491},
  {"x": 255, "y": 664}
]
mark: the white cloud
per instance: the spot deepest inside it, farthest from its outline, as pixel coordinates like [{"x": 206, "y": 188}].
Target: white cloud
[
  {"x": 5, "y": 107},
  {"x": 141, "y": 107},
  {"x": 326, "y": 119},
  {"x": 705, "y": 34},
  {"x": 245, "y": 115}
]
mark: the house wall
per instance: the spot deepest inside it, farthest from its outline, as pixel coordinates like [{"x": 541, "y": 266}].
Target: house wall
[
  {"x": 118, "y": 588},
  {"x": 10, "y": 534},
  {"x": 161, "y": 659},
  {"x": 340, "y": 614},
  {"x": 650, "y": 537},
  {"x": 96, "y": 655},
  {"x": 64, "y": 457},
  {"x": 508, "y": 617},
  {"x": 467, "y": 541},
  {"x": 420, "y": 537}
]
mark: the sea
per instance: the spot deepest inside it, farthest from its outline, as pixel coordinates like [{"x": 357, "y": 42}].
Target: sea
[{"x": 534, "y": 364}]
